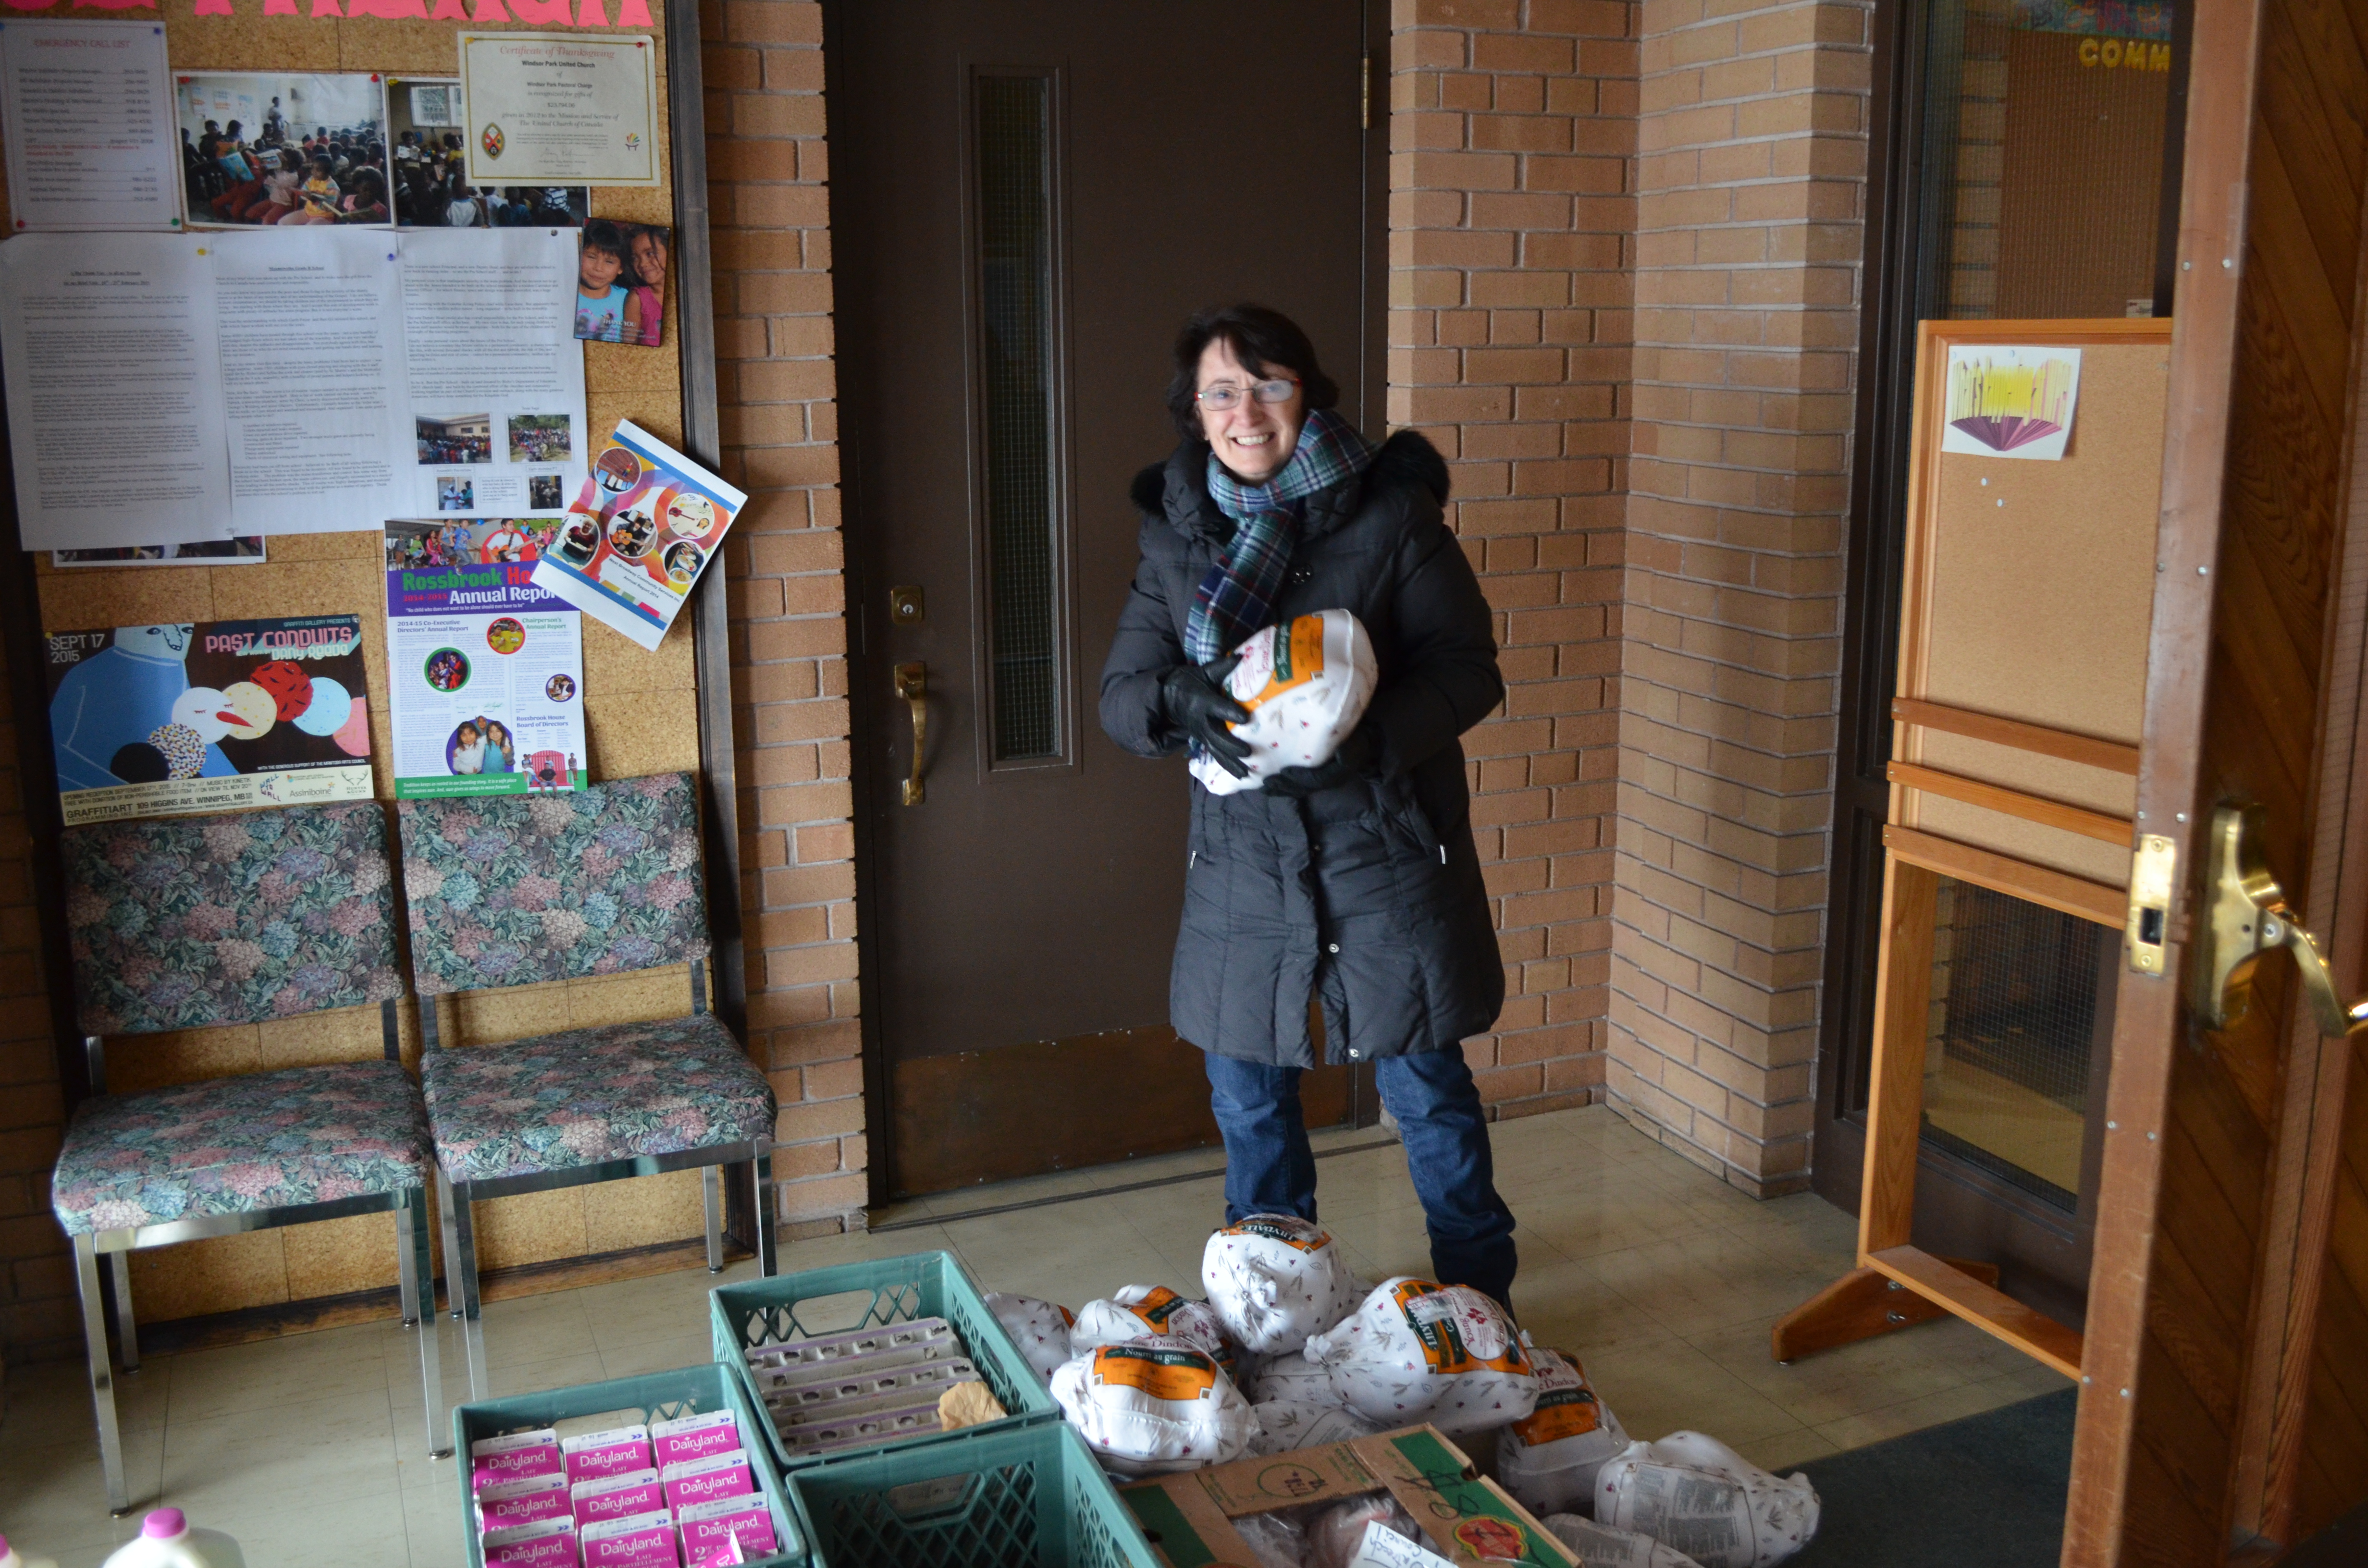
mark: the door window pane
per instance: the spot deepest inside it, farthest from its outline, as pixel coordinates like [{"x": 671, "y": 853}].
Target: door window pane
[
  {"x": 2043, "y": 148},
  {"x": 1015, "y": 292},
  {"x": 2011, "y": 1035}
]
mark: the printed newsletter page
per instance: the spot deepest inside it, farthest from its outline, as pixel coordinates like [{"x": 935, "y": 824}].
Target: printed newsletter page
[
  {"x": 484, "y": 670},
  {"x": 496, "y": 375}
]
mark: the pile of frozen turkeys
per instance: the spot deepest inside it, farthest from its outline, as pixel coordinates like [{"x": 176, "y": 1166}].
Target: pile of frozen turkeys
[{"x": 1291, "y": 1349}]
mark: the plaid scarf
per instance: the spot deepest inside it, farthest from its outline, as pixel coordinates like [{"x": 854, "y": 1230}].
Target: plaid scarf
[{"x": 1236, "y": 597}]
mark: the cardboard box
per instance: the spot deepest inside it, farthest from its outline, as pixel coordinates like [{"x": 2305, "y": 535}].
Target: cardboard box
[{"x": 1470, "y": 1519}]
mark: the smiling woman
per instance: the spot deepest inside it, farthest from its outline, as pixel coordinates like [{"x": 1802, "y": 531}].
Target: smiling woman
[{"x": 1355, "y": 879}]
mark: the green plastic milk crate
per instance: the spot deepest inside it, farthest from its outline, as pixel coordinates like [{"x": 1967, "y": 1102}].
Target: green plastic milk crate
[
  {"x": 1021, "y": 1497},
  {"x": 870, "y": 1295},
  {"x": 657, "y": 1397}
]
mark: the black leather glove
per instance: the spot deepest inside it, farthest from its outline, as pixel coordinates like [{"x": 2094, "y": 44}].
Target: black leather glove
[
  {"x": 1194, "y": 699},
  {"x": 1358, "y": 756}
]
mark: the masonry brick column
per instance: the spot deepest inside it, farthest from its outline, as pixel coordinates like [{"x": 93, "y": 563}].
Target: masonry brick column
[
  {"x": 1752, "y": 155},
  {"x": 776, "y": 387},
  {"x": 1512, "y": 143}
]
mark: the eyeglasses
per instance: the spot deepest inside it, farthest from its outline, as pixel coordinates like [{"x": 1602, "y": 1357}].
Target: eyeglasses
[{"x": 1225, "y": 395}]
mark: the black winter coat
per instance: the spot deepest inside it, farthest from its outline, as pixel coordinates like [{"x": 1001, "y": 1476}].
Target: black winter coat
[{"x": 1368, "y": 895}]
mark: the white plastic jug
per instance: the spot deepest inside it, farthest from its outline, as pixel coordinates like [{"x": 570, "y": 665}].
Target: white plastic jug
[
  {"x": 8, "y": 1558},
  {"x": 166, "y": 1542}
]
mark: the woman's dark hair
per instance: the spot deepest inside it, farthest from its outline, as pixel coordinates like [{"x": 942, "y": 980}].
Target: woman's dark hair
[
  {"x": 1258, "y": 337},
  {"x": 602, "y": 235}
]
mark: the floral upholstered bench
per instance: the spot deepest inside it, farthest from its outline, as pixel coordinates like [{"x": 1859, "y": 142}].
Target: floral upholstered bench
[
  {"x": 511, "y": 890},
  {"x": 202, "y": 922}
]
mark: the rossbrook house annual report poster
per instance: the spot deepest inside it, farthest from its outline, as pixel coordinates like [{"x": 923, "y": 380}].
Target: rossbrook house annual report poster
[
  {"x": 484, "y": 670},
  {"x": 209, "y": 716}
]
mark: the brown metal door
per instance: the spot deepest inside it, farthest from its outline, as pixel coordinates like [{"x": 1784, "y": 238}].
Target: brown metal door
[
  {"x": 1028, "y": 198},
  {"x": 2224, "y": 1410}
]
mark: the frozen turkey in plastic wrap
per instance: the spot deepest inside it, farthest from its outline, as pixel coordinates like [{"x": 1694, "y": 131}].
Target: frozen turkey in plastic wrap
[
  {"x": 1548, "y": 1460},
  {"x": 1697, "y": 1494},
  {"x": 1041, "y": 1329},
  {"x": 1290, "y": 1379},
  {"x": 1275, "y": 1280},
  {"x": 1305, "y": 684},
  {"x": 1155, "y": 1405},
  {"x": 1418, "y": 1351},
  {"x": 1133, "y": 1311},
  {"x": 1286, "y": 1425},
  {"x": 1601, "y": 1546}
]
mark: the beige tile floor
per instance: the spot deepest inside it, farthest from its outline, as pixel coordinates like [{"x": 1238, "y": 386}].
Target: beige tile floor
[{"x": 311, "y": 1448}]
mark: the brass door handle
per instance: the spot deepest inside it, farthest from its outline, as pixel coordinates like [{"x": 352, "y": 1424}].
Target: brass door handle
[
  {"x": 2248, "y": 916},
  {"x": 913, "y": 686}
]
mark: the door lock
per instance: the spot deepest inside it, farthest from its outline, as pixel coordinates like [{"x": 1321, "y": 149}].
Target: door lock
[{"x": 2247, "y": 915}]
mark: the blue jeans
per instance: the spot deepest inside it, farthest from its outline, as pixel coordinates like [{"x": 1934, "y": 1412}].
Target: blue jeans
[{"x": 1270, "y": 1169}]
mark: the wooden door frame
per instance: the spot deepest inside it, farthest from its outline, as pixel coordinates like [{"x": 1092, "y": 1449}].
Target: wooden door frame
[
  {"x": 864, "y": 580},
  {"x": 2150, "y": 1350},
  {"x": 1954, "y": 1196}
]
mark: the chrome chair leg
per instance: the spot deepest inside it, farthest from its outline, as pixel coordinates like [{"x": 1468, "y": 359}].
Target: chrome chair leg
[
  {"x": 127, "y": 1326},
  {"x": 472, "y": 1325},
  {"x": 102, "y": 1373},
  {"x": 768, "y": 1243},
  {"x": 710, "y": 1192},
  {"x": 416, "y": 1219},
  {"x": 452, "y": 1247},
  {"x": 460, "y": 1279},
  {"x": 407, "y": 1271}
]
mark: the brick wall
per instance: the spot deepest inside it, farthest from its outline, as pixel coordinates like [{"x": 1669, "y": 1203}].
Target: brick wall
[
  {"x": 39, "y": 1318},
  {"x": 768, "y": 169},
  {"x": 1512, "y": 142},
  {"x": 1752, "y": 129}
]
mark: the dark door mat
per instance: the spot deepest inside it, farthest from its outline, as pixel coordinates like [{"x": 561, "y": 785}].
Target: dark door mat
[{"x": 1984, "y": 1491}]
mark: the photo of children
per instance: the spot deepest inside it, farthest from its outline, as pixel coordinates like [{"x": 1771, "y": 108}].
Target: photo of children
[
  {"x": 455, "y": 496},
  {"x": 541, "y": 438},
  {"x": 424, "y": 121},
  {"x": 466, "y": 440},
  {"x": 481, "y": 746},
  {"x": 620, "y": 283},
  {"x": 419, "y": 546},
  {"x": 506, "y": 635},
  {"x": 447, "y": 669},
  {"x": 560, "y": 688},
  {"x": 546, "y": 491},
  {"x": 263, "y": 150}
]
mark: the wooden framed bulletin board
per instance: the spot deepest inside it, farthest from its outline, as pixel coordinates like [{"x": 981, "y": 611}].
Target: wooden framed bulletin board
[
  {"x": 2027, "y": 600},
  {"x": 644, "y": 712}
]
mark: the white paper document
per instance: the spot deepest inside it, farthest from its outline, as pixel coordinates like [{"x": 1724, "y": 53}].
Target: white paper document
[
  {"x": 311, "y": 334},
  {"x": 172, "y": 388},
  {"x": 114, "y": 390},
  {"x": 86, "y": 110},
  {"x": 495, "y": 373}
]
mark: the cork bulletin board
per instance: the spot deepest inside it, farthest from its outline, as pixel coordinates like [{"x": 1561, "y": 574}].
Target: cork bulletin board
[
  {"x": 642, "y": 711},
  {"x": 2027, "y": 599}
]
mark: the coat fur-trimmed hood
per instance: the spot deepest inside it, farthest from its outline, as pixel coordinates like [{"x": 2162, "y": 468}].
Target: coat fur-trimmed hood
[{"x": 1406, "y": 460}]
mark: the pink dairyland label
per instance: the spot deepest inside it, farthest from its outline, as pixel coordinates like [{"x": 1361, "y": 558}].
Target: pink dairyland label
[
  {"x": 549, "y": 1544},
  {"x": 645, "y": 1540},
  {"x": 618, "y": 1451},
  {"x": 513, "y": 1457},
  {"x": 709, "y": 1529},
  {"x": 706, "y": 1480},
  {"x": 508, "y": 1504},
  {"x": 695, "y": 1436},
  {"x": 616, "y": 1497}
]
